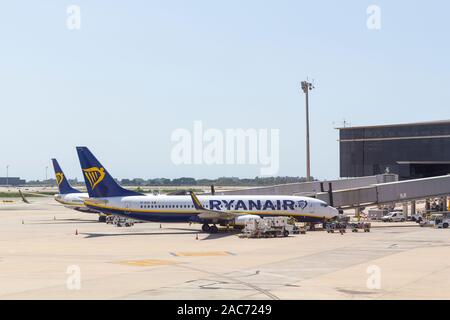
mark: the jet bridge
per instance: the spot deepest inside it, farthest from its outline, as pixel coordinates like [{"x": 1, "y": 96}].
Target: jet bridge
[
  {"x": 314, "y": 187},
  {"x": 383, "y": 193}
]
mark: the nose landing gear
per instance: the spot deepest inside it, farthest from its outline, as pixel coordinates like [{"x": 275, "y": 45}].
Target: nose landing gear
[{"x": 210, "y": 229}]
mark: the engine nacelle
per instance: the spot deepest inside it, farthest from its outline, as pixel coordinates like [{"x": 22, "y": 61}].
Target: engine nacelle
[{"x": 241, "y": 220}]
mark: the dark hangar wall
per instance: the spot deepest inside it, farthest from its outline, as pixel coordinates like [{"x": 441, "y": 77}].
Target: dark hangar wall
[{"x": 410, "y": 150}]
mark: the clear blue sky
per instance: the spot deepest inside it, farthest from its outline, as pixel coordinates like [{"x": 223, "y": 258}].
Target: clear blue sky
[{"x": 137, "y": 70}]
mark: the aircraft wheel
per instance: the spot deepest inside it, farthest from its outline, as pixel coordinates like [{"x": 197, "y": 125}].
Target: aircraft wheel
[
  {"x": 205, "y": 228},
  {"x": 445, "y": 225},
  {"x": 101, "y": 218},
  {"x": 213, "y": 229}
]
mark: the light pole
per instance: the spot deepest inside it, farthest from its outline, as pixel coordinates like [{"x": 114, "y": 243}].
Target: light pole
[
  {"x": 306, "y": 87},
  {"x": 46, "y": 169},
  {"x": 7, "y": 174}
]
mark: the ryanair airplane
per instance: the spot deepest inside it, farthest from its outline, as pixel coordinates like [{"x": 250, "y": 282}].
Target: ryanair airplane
[
  {"x": 107, "y": 196},
  {"x": 68, "y": 196}
]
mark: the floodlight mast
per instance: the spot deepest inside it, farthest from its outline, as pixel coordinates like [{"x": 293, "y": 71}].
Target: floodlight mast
[
  {"x": 7, "y": 175},
  {"x": 306, "y": 87}
]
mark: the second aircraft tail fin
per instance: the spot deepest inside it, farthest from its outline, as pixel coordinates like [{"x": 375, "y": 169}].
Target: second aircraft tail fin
[{"x": 61, "y": 180}]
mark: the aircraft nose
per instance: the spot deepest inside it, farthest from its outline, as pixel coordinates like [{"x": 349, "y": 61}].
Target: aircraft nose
[{"x": 333, "y": 211}]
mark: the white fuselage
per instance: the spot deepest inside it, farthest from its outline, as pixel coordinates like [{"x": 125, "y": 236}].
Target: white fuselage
[
  {"x": 74, "y": 201},
  {"x": 167, "y": 208}
]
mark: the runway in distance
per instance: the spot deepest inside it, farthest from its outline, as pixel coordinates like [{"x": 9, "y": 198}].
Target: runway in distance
[
  {"x": 107, "y": 196},
  {"x": 70, "y": 197}
]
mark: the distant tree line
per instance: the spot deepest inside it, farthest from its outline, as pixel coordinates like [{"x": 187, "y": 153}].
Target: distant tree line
[
  {"x": 185, "y": 181},
  {"x": 223, "y": 181}
]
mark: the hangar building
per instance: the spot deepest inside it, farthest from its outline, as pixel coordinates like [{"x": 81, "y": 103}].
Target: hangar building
[
  {"x": 11, "y": 181},
  {"x": 411, "y": 150}
]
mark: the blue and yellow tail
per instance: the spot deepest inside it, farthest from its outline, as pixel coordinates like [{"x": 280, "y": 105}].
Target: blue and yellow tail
[
  {"x": 63, "y": 185},
  {"x": 99, "y": 182}
]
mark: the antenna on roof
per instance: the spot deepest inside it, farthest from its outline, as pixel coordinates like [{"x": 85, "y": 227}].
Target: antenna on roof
[{"x": 344, "y": 123}]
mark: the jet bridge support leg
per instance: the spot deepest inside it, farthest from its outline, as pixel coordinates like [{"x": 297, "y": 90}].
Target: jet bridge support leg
[
  {"x": 405, "y": 209},
  {"x": 413, "y": 207},
  {"x": 443, "y": 203}
]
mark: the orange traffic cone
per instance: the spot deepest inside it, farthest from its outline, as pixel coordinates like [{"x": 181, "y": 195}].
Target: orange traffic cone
[
  {"x": 196, "y": 236},
  {"x": 76, "y": 232}
]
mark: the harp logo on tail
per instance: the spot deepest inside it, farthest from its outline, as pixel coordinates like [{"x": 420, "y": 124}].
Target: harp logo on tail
[
  {"x": 94, "y": 175},
  {"x": 59, "y": 177}
]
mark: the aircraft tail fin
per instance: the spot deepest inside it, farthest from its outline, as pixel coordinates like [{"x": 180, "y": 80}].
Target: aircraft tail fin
[
  {"x": 63, "y": 184},
  {"x": 99, "y": 183}
]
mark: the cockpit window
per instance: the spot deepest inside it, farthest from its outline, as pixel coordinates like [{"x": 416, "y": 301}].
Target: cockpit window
[{"x": 323, "y": 205}]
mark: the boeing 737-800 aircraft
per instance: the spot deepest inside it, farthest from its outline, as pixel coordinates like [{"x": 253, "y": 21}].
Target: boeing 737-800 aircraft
[
  {"x": 107, "y": 196},
  {"x": 70, "y": 197}
]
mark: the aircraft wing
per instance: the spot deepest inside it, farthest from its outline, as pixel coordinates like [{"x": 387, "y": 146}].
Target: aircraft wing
[
  {"x": 23, "y": 197},
  {"x": 211, "y": 214}
]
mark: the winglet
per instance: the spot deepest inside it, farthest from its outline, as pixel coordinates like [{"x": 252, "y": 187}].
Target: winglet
[
  {"x": 23, "y": 197},
  {"x": 197, "y": 203}
]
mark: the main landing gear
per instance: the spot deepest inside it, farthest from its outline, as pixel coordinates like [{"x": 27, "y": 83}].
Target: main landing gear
[{"x": 210, "y": 229}]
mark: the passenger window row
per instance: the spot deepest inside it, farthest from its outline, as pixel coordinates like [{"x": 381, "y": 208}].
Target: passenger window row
[
  {"x": 184, "y": 206},
  {"x": 166, "y": 206}
]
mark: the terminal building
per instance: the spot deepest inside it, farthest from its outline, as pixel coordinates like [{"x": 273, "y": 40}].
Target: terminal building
[
  {"x": 11, "y": 181},
  {"x": 412, "y": 150}
]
